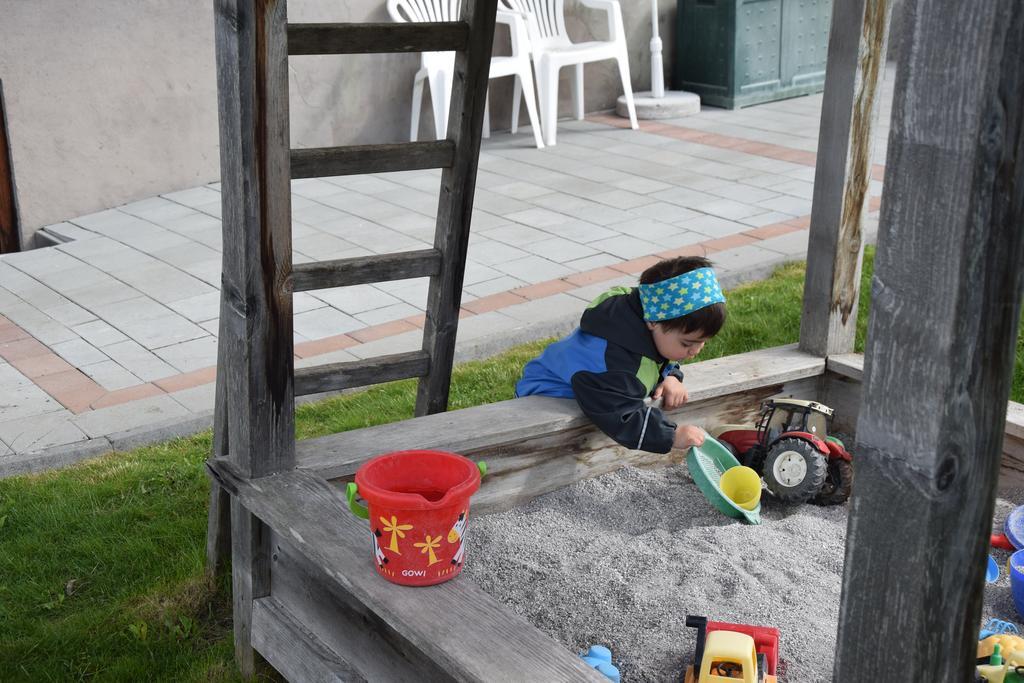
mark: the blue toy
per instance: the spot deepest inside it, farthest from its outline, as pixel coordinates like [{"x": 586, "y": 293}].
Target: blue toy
[
  {"x": 1014, "y": 527},
  {"x": 992, "y": 572},
  {"x": 996, "y": 627},
  {"x": 600, "y": 657}
]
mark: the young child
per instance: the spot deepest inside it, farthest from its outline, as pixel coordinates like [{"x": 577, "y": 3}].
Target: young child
[{"x": 628, "y": 347}]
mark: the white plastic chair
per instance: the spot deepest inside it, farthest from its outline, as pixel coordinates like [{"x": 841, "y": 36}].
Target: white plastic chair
[
  {"x": 437, "y": 67},
  {"x": 552, "y": 49}
]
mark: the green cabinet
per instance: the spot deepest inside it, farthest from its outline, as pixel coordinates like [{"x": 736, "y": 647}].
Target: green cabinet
[{"x": 735, "y": 53}]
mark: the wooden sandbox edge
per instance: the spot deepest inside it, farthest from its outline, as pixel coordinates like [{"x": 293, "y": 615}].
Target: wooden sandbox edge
[
  {"x": 451, "y": 631},
  {"x": 842, "y": 391}
]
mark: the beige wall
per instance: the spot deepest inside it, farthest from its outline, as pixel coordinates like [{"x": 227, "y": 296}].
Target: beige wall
[{"x": 110, "y": 101}]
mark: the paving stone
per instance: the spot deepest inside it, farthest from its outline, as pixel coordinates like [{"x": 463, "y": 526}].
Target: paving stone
[
  {"x": 324, "y": 322},
  {"x": 548, "y": 308},
  {"x": 726, "y": 208},
  {"x": 79, "y": 352},
  {"x": 156, "y": 209},
  {"x": 794, "y": 206},
  {"x": 486, "y": 325},
  {"x": 477, "y": 272},
  {"x": 164, "y": 283},
  {"x": 99, "y": 333},
  {"x": 763, "y": 219},
  {"x": 69, "y": 232},
  {"x": 713, "y": 226},
  {"x": 39, "y": 325},
  {"x": 39, "y": 262},
  {"x": 516, "y": 235},
  {"x": 110, "y": 375},
  {"x": 312, "y": 188},
  {"x": 138, "y": 360},
  {"x": 161, "y": 331},
  {"x": 665, "y": 212},
  {"x": 355, "y": 299},
  {"x": 641, "y": 185},
  {"x": 483, "y": 220},
  {"x": 591, "y": 262},
  {"x": 4, "y": 450},
  {"x": 103, "y": 220},
  {"x": 338, "y": 356},
  {"x": 500, "y": 205},
  {"x": 488, "y": 252},
  {"x": 191, "y": 355},
  {"x": 301, "y": 302},
  {"x": 213, "y": 209},
  {"x": 498, "y": 284},
  {"x": 197, "y": 399},
  {"x": 795, "y": 187},
  {"x": 791, "y": 244},
  {"x": 69, "y": 314},
  {"x": 519, "y": 189},
  {"x": 538, "y": 218},
  {"x": 105, "y": 293},
  {"x": 97, "y": 423},
  {"x": 208, "y": 271},
  {"x": 647, "y": 229},
  {"x": 194, "y": 224},
  {"x": 745, "y": 258},
  {"x": 399, "y": 343},
  {"x": 42, "y": 431},
  {"x": 533, "y": 269},
  {"x": 590, "y": 292},
  {"x": 385, "y": 314},
  {"x": 24, "y": 400},
  {"x": 626, "y": 246},
  {"x": 560, "y": 250},
  {"x": 196, "y": 196},
  {"x": 415, "y": 225},
  {"x": 8, "y": 298},
  {"x": 198, "y": 308},
  {"x": 412, "y": 291}
]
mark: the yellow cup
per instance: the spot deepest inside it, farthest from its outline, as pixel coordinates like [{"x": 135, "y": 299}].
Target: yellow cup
[{"x": 742, "y": 486}]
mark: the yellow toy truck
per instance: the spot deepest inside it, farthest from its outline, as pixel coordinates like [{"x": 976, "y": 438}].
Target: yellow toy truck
[{"x": 727, "y": 655}]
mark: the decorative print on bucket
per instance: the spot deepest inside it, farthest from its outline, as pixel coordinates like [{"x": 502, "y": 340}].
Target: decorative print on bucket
[{"x": 417, "y": 503}]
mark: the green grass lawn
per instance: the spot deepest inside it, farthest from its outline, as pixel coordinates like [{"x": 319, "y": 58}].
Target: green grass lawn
[{"x": 101, "y": 565}]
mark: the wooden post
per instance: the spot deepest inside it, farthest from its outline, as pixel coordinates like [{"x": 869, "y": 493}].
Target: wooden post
[
  {"x": 853, "y": 81},
  {"x": 218, "y": 522},
  {"x": 458, "y": 183},
  {"x": 10, "y": 223},
  {"x": 939, "y": 363},
  {"x": 256, "y": 324}
]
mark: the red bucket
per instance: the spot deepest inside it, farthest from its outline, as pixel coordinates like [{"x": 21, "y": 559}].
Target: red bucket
[{"x": 418, "y": 509}]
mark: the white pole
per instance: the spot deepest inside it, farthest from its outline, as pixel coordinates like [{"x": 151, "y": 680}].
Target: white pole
[{"x": 657, "y": 71}]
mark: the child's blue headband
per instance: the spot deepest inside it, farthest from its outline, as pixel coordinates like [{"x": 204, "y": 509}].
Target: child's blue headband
[{"x": 680, "y": 295}]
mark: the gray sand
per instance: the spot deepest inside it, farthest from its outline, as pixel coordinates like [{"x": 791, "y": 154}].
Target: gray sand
[{"x": 620, "y": 560}]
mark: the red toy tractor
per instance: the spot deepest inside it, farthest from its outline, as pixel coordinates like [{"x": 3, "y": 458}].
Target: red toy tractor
[{"x": 791, "y": 449}]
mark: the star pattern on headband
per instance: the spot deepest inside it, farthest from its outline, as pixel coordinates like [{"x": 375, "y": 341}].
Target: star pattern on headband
[{"x": 680, "y": 295}]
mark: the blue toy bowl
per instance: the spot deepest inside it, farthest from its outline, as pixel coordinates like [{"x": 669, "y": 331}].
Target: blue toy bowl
[
  {"x": 1017, "y": 580},
  {"x": 1014, "y": 527},
  {"x": 992, "y": 572}
]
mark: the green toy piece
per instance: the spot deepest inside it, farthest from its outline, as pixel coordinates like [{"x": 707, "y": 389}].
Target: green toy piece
[{"x": 707, "y": 463}]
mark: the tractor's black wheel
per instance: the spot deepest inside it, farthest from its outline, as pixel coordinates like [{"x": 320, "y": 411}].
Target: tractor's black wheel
[
  {"x": 754, "y": 458},
  {"x": 838, "y": 483},
  {"x": 729, "y": 447},
  {"x": 794, "y": 470}
]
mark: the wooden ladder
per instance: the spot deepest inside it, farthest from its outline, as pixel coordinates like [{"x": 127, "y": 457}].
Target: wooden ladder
[{"x": 254, "y": 421}]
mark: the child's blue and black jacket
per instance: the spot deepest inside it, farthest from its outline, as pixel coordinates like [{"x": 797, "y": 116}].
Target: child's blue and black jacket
[{"x": 609, "y": 364}]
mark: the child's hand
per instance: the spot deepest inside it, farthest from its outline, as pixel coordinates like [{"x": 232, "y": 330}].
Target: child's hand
[
  {"x": 688, "y": 435},
  {"x": 673, "y": 393}
]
